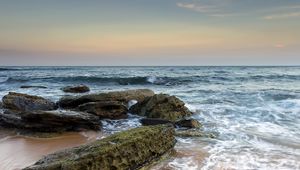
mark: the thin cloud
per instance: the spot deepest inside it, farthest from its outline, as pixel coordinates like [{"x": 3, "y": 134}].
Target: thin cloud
[
  {"x": 282, "y": 16},
  {"x": 198, "y": 7},
  {"x": 209, "y": 10}
]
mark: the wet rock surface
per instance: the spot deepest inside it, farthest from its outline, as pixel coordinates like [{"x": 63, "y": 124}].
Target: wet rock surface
[
  {"x": 130, "y": 149},
  {"x": 76, "y": 89},
  {"x": 161, "y": 106},
  {"x": 31, "y": 86},
  {"x": 19, "y": 101},
  {"x": 70, "y": 102},
  {"x": 105, "y": 109},
  {"x": 49, "y": 121},
  {"x": 194, "y": 133},
  {"x": 188, "y": 123},
  {"x": 154, "y": 121}
]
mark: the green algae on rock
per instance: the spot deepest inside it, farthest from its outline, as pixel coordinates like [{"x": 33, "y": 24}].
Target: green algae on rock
[
  {"x": 194, "y": 133},
  {"x": 161, "y": 106},
  {"x": 130, "y": 149}
]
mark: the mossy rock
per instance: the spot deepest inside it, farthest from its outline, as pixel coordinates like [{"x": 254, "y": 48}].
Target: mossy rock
[
  {"x": 130, "y": 149},
  {"x": 161, "y": 106}
]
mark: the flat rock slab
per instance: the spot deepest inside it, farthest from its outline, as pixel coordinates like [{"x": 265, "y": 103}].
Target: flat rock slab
[
  {"x": 25, "y": 102},
  {"x": 49, "y": 121},
  {"x": 105, "y": 109},
  {"x": 70, "y": 102},
  {"x": 76, "y": 89},
  {"x": 130, "y": 149},
  {"x": 28, "y": 87}
]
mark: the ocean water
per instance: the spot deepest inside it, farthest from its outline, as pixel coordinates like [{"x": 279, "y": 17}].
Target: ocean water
[{"x": 255, "y": 111}]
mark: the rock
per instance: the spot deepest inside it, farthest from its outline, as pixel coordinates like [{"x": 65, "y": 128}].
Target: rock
[
  {"x": 76, "y": 89},
  {"x": 161, "y": 106},
  {"x": 27, "y": 87},
  {"x": 19, "y": 101},
  {"x": 1, "y": 105},
  {"x": 154, "y": 121},
  {"x": 193, "y": 133},
  {"x": 49, "y": 121},
  {"x": 70, "y": 102},
  {"x": 105, "y": 109},
  {"x": 130, "y": 149},
  {"x": 188, "y": 123}
]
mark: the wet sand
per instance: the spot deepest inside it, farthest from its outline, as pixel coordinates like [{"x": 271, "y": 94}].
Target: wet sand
[{"x": 17, "y": 152}]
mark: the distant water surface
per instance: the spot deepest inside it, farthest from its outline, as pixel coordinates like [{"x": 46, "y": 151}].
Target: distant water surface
[{"x": 254, "y": 110}]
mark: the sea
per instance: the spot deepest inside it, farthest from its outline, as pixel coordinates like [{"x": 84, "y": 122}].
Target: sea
[{"x": 253, "y": 111}]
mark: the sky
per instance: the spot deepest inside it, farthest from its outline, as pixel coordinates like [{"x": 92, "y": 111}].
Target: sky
[{"x": 149, "y": 32}]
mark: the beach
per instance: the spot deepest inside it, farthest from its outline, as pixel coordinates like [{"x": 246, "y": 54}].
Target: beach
[{"x": 254, "y": 112}]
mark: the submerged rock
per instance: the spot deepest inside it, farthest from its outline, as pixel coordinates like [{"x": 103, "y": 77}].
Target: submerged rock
[
  {"x": 70, "y": 102},
  {"x": 154, "y": 121},
  {"x": 27, "y": 87},
  {"x": 49, "y": 121},
  {"x": 130, "y": 149},
  {"x": 108, "y": 109},
  {"x": 161, "y": 106},
  {"x": 76, "y": 89},
  {"x": 188, "y": 123},
  {"x": 193, "y": 133},
  {"x": 19, "y": 101}
]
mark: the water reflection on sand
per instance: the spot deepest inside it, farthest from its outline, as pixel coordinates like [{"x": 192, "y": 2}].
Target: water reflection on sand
[{"x": 19, "y": 151}]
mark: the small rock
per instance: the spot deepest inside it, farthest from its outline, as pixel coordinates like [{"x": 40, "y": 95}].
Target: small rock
[
  {"x": 76, "y": 89},
  {"x": 161, "y": 106},
  {"x": 193, "y": 133},
  {"x": 49, "y": 121},
  {"x": 188, "y": 123},
  {"x": 105, "y": 110},
  {"x": 19, "y": 101},
  {"x": 154, "y": 121},
  {"x": 27, "y": 87},
  {"x": 70, "y": 102},
  {"x": 130, "y": 149}
]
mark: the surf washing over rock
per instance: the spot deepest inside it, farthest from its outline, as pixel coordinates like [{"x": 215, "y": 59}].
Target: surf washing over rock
[{"x": 249, "y": 115}]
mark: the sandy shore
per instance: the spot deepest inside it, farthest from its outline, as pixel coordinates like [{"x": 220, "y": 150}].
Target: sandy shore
[{"x": 19, "y": 151}]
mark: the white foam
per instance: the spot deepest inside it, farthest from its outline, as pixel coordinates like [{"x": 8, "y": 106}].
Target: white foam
[
  {"x": 131, "y": 103},
  {"x": 184, "y": 164},
  {"x": 151, "y": 79}
]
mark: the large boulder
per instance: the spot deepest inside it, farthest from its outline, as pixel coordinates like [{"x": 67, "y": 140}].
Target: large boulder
[
  {"x": 49, "y": 121},
  {"x": 19, "y": 101},
  {"x": 130, "y": 149},
  {"x": 105, "y": 109},
  {"x": 76, "y": 89},
  {"x": 70, "y": 102},
  {"x": 161, "y": 106}
]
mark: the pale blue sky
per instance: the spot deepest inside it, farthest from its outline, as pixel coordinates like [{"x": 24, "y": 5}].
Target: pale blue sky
[{"x": 150, "y": 32}]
